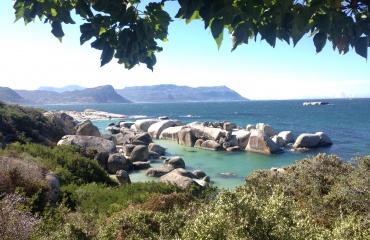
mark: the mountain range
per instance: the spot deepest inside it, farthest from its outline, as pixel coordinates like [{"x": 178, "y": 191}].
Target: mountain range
[{"x": 74, "y": 94}]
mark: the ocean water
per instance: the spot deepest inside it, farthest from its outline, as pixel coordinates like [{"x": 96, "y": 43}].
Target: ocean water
[{"x": 346, "y": 122}]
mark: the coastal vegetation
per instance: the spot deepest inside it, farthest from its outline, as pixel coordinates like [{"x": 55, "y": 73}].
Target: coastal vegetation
[{"x": 320, "y": 197}]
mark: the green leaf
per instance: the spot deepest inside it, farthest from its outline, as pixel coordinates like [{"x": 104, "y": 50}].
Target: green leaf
[
  {"x": 323, "y": 22},
  {"x": 217, "y": 29},
  {"x": 99, "y": 43},
  {"x": 53, "y": 12},
  {"x": 302, "y": 23},
  {"x": 86, "y": 37},
  {"x": 268, "y": 32},
  {"x": 57, "y": 30},
  {"x": 361, "y": 47},
  {"x": 319, "y": 41},
  {"x": 83, "y": 9},
  {"x": 106, "y": 55}
]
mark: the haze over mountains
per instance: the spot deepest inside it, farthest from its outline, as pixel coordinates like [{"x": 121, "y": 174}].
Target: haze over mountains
[{"x": 74, "y": 94}]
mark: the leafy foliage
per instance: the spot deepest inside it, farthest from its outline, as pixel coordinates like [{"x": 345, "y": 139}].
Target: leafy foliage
[
  {"x": 24, "y": 124},
  {"x": 129, "y": 33}
]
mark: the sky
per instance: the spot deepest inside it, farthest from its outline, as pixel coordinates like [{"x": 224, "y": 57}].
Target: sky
[{"x": 31, "y": 57}]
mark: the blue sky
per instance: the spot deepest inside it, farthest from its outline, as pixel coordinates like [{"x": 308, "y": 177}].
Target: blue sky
[{"x": 30, "y": 57}]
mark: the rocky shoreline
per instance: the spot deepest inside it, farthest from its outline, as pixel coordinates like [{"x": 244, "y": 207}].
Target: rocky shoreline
[{"x": 131, "y": 146}]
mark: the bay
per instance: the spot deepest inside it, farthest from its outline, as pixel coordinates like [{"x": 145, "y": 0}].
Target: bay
[{"x": 345, "y": 121}]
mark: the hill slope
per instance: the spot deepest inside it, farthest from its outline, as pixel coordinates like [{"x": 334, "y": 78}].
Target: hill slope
[
  {"x": 101, "y": 94},
  {"x": 62, "y": 89},
  {"x": 8, "y": 95},
  {"x": 174, "y": 93}
]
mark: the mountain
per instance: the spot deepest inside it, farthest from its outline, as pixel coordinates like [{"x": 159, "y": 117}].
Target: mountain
[
  {"x": 63, "y": 89},
  {"x": 175, "y": 93},
  {"x": 8, "y": 95},
  {"x": 101, "y": 94}
]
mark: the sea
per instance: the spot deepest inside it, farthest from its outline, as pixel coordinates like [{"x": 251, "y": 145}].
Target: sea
[{"x": 345, "y": 121}]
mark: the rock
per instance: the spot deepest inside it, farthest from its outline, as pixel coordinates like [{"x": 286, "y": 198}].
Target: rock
[
  {"x": 314, "y": 103},
  {"x": 163, "y": 118},
  {"x": 208, "y": 133},
  {"x": 98, "y": 143},
  {"x": 278, "y": 170},
  {"x": 186, "y": 137},
  {"x": 278, "y": 140},
  {"x": 60, "y": 124},
  {"x": 139, "y": 153},
  {"x": 228, "y": 126},
  {"x": 211, "y": 145},
  {"x": 144, "y": 124},
  {"x": 287, "y": 136},
  {"x": 110, "y": 138},
  {"x": 102, "y": 159},
  {"x": 324, "y": 139},
  {"x": 214, "y": 124},
  {"x": 199, "y": 173},
  {"x": 156, "y": 148},
  {"x": 233, "y": 149},
  {"x": 144, "y": 137},
  {"x": 266, "y": 129},
  {"x": 260, "y": 142},
  {"x": 126, "y": 125},
  {"x": 171, "y": 133},
  {"x": 87, "y": 129},
  {"x": 198, "y": 143},
  {"x": 159, "y": 171},
  {"x": 137, "y": 142},
  {"x": 118, "y": 162},
  {"x": 156, "y": 129},
  {"x": 307, "y": 140},
  {"x": 123, "y": 177},
  {"x": 52, "y": 180},
  {"x": 242, "y": 138},
  {"x": 141, "y": 165},
  {"x": 176, "y": 162},
  {"x": 128, "y": 148},
  {"x": 153, "y": 155},
  {"x": 124, "y": 137},
  {"x": 250, "y": 127},
  {"x": 113, "y": 129},
  {"x": 182, "y": 178}
]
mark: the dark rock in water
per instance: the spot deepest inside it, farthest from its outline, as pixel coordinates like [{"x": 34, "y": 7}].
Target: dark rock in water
[
  {"x": 159, "y": 171},
  {"x": 123, "y": 177},
  {"x": 141, "y": 165},
  {"x": 199, "y": 173},
  {"x": 153, "y": 155},
  {"x": 139, "y": 153},
  {"x": 118, "y": 162},
  {"x": 87, "y": 129},
  {"x": 156, "y": 148},
  {"x": 84, "y": 142},
  {"x": 177, "y": 162},
  {"x": 182, "y": 178},
  {"x": 144, "y": 137},
  {"x": 314, "y": 103}
]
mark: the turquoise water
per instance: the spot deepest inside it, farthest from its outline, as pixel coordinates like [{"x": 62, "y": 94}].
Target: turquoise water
[{"x": 346, "y": 122}]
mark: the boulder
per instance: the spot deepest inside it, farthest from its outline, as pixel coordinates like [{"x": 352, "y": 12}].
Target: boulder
[
  {"x": 266, "y": 129},
  {"x": 171, "y": 133},
  {"x": 98, "y": 143},
  {"x": 87, "y": 129},
  {"x": 113, "y": 129},
  {"x": 211, "y": 145},
  {"x": 156, "y": 129},
  {"x": 153, "y": 155},
  {"x": 198, "y": 143},
  {"x": 242, "y": 138},
  {"x": 156, "y": 148},
  {"x": 186, "y": 137},
  {"x": 144, "y": 124},
  {"x": 124, "y": 137},
  {"x": 143, "y": 137},
  {"x": 250, "y": 127},
  {"x": 102, "y": 159},
  {"x": 324, "y": 139},
  {"x": 118, "y": 162},
  {"x": 176, "y": 162},
  {"x": 182, "y": 178},
  {"x": 60, "y": 125},
  {"x": 307, "y": 140},
  {"x": 228, "y": 126},
  {"x": 233, "y": 149},
  {"x": 199, "y": 173},
  {"x": 261, "y": 143},
  {"x": 128, "y": 148},
  {"x": 141, "y": 165},
  {"x": 52, "y": 180},
  {"x": 287, "y": 136},
  {"x": 278, "y": 140},
  {"x": 126, "y": 125},
  {"x": 159, "y": 171},
  {"x": 209, "y": 133},
  {"x": 109, "y": 137},
  {"x": 139, "y": 153},
  {"x": 123, "y": 177}
]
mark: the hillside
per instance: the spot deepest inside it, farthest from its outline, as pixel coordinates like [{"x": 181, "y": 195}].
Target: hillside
[
  {"x": 62, "y": 89},
  {"x": 8, "y": 95},
  {"x": 174, "y": 93},
  {"x": 101, "y": 94}
]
